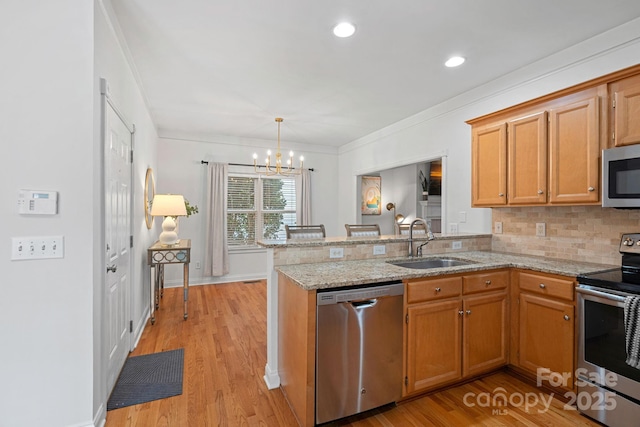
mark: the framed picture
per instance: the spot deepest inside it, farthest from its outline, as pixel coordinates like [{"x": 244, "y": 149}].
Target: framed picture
[{"x": 371, "y": 195}]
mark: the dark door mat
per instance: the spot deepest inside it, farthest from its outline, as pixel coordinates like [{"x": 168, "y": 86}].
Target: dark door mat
[{"x": 148, "y": 377}]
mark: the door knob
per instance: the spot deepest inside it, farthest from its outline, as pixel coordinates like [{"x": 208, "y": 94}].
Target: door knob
[{"x": 112, "y": 268}]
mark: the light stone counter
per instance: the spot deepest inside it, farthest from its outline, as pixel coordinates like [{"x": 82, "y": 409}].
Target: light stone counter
[
  {"x": 349, "y": 273},
  {"x": 333, "y": 241}
]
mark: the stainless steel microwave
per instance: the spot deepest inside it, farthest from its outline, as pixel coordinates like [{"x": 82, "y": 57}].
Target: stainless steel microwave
[{"x": 621, "y": 177}]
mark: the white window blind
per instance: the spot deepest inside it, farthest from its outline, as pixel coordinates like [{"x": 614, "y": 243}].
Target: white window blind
[{"x": 259, "y": 208}]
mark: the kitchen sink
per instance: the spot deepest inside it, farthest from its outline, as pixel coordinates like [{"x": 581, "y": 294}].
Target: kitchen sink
[{"x": 424, "y": 264}]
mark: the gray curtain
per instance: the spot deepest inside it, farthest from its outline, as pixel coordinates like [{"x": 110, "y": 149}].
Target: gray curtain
[
  {"x": 216, "y": 251},
  {"x": 303, "y": 196}
]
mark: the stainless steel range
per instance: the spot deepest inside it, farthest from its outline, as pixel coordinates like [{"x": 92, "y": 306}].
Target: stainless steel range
[{"x": 608, "y": 387}]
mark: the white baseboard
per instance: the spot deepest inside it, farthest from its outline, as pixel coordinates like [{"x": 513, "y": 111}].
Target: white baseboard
[{"x": 271, "y": 378}]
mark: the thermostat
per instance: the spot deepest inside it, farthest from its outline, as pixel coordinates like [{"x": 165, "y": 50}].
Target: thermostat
[{"x": 37, "y": 202}]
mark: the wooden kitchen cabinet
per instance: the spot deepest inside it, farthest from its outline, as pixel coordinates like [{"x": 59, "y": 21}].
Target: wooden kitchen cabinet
[
  {"x": 552, "y": 146},
  {"x": 489, "y": 165},
  {"x": 574, "y": 152},
  {"x": 625, "y": 110},
  {"x": 546, "y": 325},
  {"x": 484, "y": 333},
  {"x": 527, "y": 167},
  {"x": 457, "y": 327},
  {"x": 434, "y": 344}
]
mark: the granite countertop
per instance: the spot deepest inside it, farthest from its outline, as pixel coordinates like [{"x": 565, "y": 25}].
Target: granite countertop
[
  {"x": 349, "y": 273},
  {"x": 356, "y": 240}
]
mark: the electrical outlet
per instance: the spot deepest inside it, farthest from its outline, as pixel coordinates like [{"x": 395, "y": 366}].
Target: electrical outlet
[
  {"x": 497, "y": 227},
  {"x": 456, "y": 245},
  {"x": 336, "y": 252},
  {"x": 379, "y": 249},
  {"x": 197, "y": 265},
  {"x": 453, "y": 228},
  {"x": 541, "y": 229}
]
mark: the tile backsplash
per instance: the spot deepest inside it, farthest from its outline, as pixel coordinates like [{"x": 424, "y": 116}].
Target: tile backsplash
[{"x": 579, "y": 233}]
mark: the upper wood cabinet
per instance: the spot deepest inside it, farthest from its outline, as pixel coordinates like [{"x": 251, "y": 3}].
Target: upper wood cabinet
[
  {"x": 553, "y": 154},
  {"x": 625, "y": 104},
  {"x": 527, "y": 167},
  {"x": 574, "y": 152},
  {"x": 489, "y": 165}
]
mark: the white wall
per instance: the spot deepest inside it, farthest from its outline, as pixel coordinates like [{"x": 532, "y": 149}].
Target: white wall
[
  {"x": 442, "y": 129},
  {"x": 51, "y": 325},
  {"x": 180, "y": 172},
  {"x": 46, "y": 128}
]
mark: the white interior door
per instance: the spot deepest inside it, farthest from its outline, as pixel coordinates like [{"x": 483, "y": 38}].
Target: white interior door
[{"x": 118, "y": 246}]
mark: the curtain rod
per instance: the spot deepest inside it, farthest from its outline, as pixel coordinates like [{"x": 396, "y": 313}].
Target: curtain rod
[{"x": 204, "y": 162}]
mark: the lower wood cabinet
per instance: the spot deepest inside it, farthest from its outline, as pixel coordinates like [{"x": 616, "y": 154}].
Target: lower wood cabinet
[
  {"x": 546, "y": 327},
  {"x": 457, "y": 327}
]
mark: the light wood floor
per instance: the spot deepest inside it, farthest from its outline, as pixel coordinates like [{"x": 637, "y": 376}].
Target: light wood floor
[{"x": 224, "y": 343}]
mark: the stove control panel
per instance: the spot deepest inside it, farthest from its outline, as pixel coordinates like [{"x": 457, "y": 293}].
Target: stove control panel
[{"x": 630, "y": 243}]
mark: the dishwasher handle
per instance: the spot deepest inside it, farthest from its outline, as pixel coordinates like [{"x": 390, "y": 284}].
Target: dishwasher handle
[{"x": 364, "y": 303}]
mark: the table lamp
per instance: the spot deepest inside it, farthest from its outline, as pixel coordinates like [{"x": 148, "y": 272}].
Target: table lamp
[{"x": 169, "y": 206}]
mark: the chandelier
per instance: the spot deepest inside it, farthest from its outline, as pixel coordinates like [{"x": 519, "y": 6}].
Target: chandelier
[{"x": 277, "y": 169}]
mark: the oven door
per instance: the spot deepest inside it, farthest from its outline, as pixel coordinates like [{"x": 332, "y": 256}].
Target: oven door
[{"x": 601, "y": 342}]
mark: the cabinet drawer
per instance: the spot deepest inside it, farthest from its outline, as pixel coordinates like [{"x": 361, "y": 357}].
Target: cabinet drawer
[
  {"x": 544, "y": 285},
  {"x": 425, "y": 290},
  {"x": 484, "y": 282}
]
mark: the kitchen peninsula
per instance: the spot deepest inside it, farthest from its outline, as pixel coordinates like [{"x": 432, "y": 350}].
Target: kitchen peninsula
[{"x": 299, "y": 269}]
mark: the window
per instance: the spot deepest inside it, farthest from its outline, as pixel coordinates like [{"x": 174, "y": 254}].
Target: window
[{"x": 258, "y": 208}]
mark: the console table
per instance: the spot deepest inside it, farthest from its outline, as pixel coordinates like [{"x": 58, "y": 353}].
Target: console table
[{"x": 158, "y": 255}]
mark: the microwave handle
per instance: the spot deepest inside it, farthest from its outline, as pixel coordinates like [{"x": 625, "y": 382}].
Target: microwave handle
[{"x": 612, "y": 297}]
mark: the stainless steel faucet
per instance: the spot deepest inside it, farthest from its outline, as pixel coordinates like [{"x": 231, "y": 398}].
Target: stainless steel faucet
[{"x": 430, "y": 236}]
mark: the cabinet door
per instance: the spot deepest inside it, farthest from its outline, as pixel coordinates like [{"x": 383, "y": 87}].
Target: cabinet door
[
  {"x": 527, "y": 142},
  {"x": 433, "y": 344},
  {"x": 574, "y": 152},
  {"x": 626, "y": 95},
  {"x": 489, "y": 165},
  {"x": 484, "y": 333},
  {"x": 546, "y": 335}
]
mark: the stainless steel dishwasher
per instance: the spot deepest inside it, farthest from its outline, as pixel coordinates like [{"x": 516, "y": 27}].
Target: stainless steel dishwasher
[{"x": 358, "y": 349}]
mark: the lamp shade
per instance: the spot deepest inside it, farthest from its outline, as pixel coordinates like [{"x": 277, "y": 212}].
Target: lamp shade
[{"x": 168, "y": 205}]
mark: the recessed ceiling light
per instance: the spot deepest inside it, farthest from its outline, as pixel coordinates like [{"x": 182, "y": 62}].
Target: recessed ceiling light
[
  {"x": 454, "y": 61},
  {"x": 344, "y": 29}
]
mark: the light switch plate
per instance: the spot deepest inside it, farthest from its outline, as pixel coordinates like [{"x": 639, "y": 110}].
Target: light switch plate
[{"x": 37, "y": 247}]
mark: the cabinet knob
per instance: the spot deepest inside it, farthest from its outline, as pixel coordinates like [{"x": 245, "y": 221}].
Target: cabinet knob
[
  {"x": 501, "y": 195},
  {"x": 112, "y": 268},
  {"x": 591, "y": 189},
  {"x": 468, "y": 312},
  {"x": 540, "y": 192},
  {"x": 566, "y": 317},
  {"x": 460, "y": 312},
  {"x": 488, "y": 282},
  {"x": 542, "y": 286},
  {"x": 438, "y": 289}
]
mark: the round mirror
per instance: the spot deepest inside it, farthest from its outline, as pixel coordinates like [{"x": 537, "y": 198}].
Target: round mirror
[{"x": 149, "y": 192}]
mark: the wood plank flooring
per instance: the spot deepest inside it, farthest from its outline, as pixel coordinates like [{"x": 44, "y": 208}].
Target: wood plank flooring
[{"x": 224, "y": 343}]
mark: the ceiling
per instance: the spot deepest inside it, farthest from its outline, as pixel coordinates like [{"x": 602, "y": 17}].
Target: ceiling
[{"x": 214, "y": 67}]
